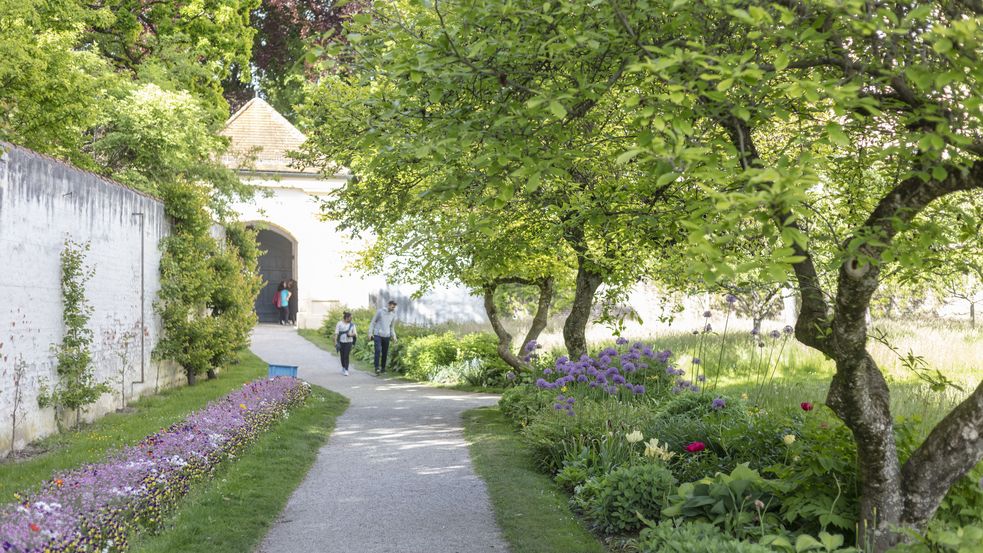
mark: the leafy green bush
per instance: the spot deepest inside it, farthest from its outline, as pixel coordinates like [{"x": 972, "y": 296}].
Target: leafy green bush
[
  {"x": 624, "y": 494},
  {"x": 820, "y": 475},
  {"x": 942, "y": 538},
  {"x": 741, "y": 503},
  {"x": 698, "y": 537},
  {"x": 425, "y": 354}
]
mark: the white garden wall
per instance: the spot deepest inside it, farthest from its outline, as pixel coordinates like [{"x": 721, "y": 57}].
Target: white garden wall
[{"x": 43, "y": 202}]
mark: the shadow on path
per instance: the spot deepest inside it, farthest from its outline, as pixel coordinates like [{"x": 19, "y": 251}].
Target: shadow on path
[{"x": 395, "y": 475}]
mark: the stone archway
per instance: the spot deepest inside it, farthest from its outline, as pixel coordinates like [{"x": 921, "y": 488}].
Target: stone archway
[{"x": 276, "y": 264}]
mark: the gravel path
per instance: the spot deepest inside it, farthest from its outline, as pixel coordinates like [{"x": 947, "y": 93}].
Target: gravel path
[{"x": 395, "y": 476}]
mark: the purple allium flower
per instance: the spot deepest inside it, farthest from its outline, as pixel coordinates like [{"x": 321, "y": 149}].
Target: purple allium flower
[
  {"x": 788, "y": 330},
  {"x": 708, "y": 328},
  {"x": 718, "y": 404},
  {"x": 643, "y": 365},
  {"x": 639, "y": 389},
  {"x": 775, "y": 334},
  {"x": 702, "y": 378},
  {"x": 582, "y": 378},
  {"x": 605, "y": 360},
  {"x": 647, "y": 352},
  {"x": 706, "y": 314},
  {"x": 696, "y": 360},
  {"x": 628, "y": 366},
  {"x": 584, "y": 358},
  {"x": 510, "y": 375},
  {"x": 618, "y": 379},
  {"x": 569, "y": 412},
  {"x": 695, "y": 388},
  {"x": 621, "y": 341},
  {"x": 755, "y": 332},
  {"x": 531, "y": 345},
  {"x": 663, "y": 356},
  {"x": 559, "y": 406},
  {"x": 730, "y": 298},
  {"x": 541, "y": 383}
]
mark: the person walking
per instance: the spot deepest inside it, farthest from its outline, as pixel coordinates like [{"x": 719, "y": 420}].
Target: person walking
[
  {"x": 284, "y": 293},
  {"x": 294, "y": 303},
  {"x": 382, "y": 331},
  {"x": 344, "y": 340}
]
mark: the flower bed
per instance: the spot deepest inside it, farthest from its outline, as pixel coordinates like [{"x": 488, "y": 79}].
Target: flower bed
[{"x": 96, "y": 507}]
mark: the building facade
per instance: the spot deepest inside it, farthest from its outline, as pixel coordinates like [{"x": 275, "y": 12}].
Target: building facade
[{"x": 300, "y": 245}]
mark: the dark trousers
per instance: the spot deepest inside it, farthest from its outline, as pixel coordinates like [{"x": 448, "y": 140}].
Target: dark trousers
[
  {"x": 381, "y": 351},
  {"x": 345, "y": 350},
  {"x": 284, "y": 314}
]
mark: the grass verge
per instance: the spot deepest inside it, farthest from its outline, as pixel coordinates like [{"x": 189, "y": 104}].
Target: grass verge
[
  {"x": 320, "y": 340},
  {"x": 233, "y": 510},
  {"x": 93, "y": 442},
  {"x": 531, "y": 510}
]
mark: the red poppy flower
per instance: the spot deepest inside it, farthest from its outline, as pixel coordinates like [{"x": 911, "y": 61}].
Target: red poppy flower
[
  {"x": 806, "y": 406},
  {"x": 34, "y": 527},
  {"x": 696, "y": 447}
]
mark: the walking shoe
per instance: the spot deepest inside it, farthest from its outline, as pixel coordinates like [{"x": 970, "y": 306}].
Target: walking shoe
[{"x": 345, "y": 372}]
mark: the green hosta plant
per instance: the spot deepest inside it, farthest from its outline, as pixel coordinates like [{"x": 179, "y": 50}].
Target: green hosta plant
[
  {"x": 741, "y": 503},
  {"x": 826, "y": 542}
]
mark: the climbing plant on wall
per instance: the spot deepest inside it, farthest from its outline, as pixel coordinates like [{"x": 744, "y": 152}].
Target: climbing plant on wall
[
  {"x": 76, "y": 386},
  {"x": 207, "y": 291}
]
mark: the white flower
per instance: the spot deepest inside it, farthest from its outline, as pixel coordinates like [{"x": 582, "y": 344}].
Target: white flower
[
  {"x": 653, "y": 449},
  {"x": 789, "y": 439},
  {"x": 634, "y": 437}
]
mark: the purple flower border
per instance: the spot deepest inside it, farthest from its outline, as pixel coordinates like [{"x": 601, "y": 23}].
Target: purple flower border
[{"x": 96, "y": 507}]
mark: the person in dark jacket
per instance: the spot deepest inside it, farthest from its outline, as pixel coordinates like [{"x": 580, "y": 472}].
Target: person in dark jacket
[{"x": 294, "y": 301}]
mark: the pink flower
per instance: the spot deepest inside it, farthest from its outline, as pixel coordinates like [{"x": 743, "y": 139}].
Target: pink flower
[
  {"x": 696, "y": 447},
  {"x": 806, "y": 406}
]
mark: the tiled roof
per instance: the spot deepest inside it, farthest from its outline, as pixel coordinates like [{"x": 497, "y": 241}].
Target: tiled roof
[{"x": 261, "y": 138}]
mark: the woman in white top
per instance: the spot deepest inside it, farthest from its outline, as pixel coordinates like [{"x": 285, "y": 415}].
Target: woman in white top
[{"x": 344, "y": 340}]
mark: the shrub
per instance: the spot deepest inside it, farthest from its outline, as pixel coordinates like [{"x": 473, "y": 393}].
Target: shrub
[
  {"x": 425, "y": 354},
  {"x": 624, "y": 494},
  {"x": 740, "y": 503},
  {"x": 697, "y": 537}
]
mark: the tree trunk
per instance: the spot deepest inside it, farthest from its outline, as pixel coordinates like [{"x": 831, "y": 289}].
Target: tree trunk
[
  {"x": 575, "y": 327},
  {"x": 192, "y": 377},
  {"x": 211, "y": 374},
  {"x": 972, "y": 316},
  {"x": 859, "y": 395},
  {"x": 756, "y": 320},
  {"x": 546, "y": 292}
]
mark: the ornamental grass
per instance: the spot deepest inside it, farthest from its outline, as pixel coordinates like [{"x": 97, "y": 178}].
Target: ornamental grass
[{"x": 97, "y": 507}]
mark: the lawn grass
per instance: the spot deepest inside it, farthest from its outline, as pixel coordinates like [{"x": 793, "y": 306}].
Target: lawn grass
[
  {"x": 93, "y": 442},
  {"x": 320, "y": 340},
  {"x": 531, "y": 510},
  {"x": 233, "y": 510}
]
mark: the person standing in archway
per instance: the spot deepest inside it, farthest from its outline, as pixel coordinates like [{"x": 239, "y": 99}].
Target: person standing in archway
[
  {"x": 284, "y": 304},
  {"x": 382, "y": 330},
  {"x": 294, "y": 303}
]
